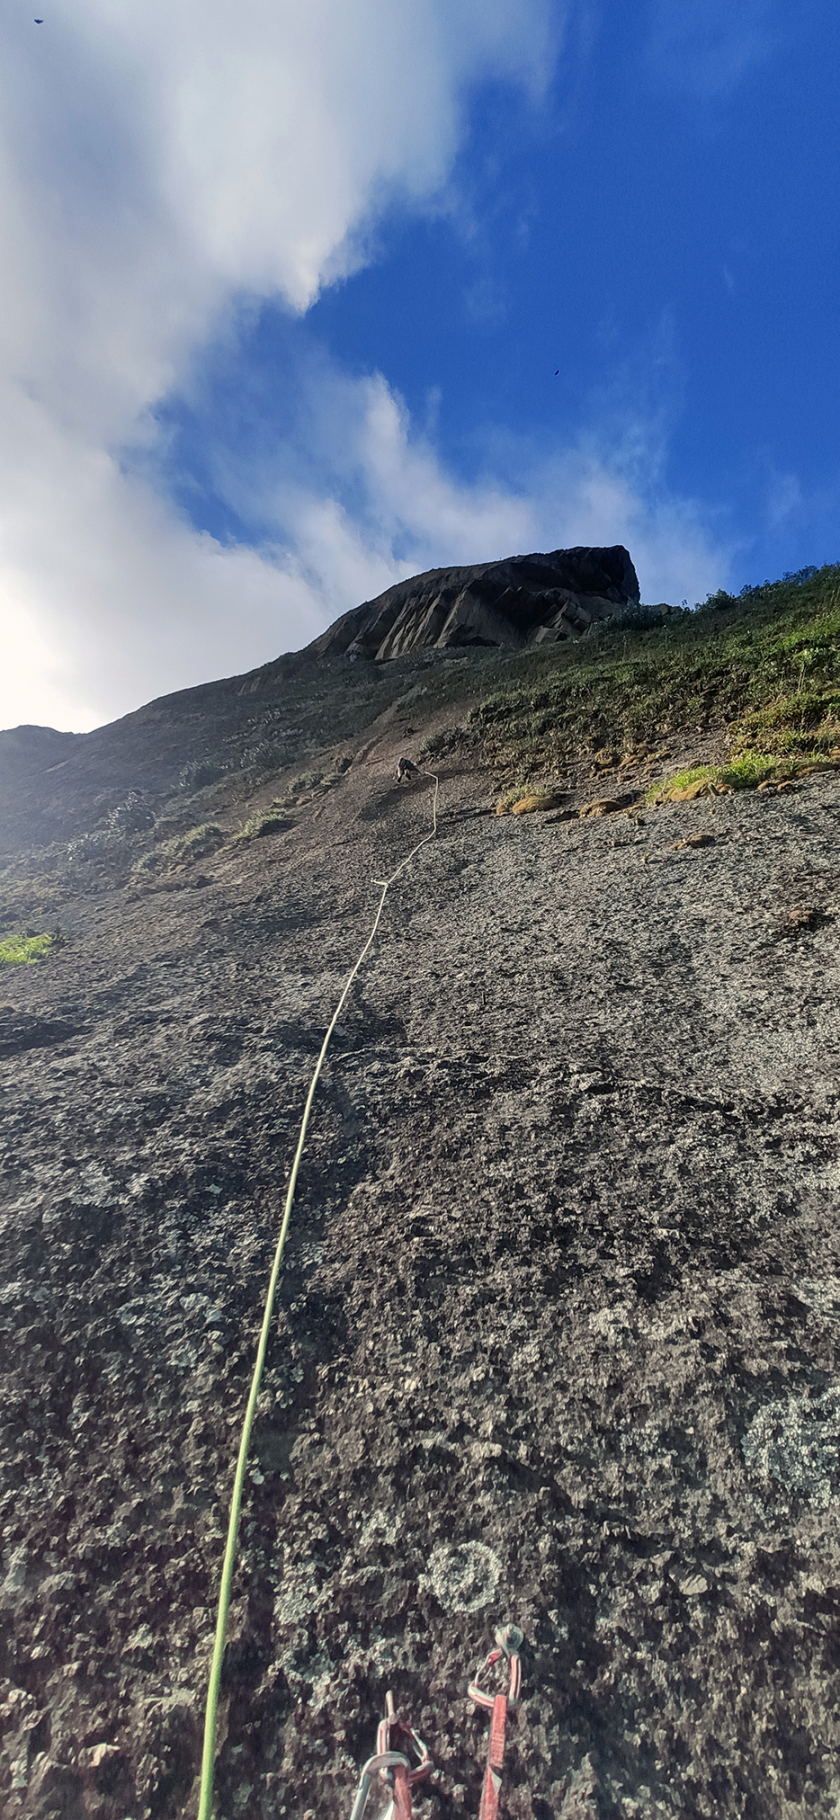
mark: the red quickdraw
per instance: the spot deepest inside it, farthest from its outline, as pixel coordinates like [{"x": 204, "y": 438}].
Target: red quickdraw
[
  {"x": 508, "y": 1644},
  {"x": 392, "y": 1765}
]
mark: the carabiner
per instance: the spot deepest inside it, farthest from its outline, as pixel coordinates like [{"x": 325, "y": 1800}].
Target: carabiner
[
  {"x": 393, "y": 1766},
  {"x": 508, "y": 1643}
]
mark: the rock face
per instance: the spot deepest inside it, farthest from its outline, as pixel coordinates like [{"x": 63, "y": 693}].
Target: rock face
[
  {"x": 523, "y": 600},
  {"x": 54, "y": 785},
  {"x": 557, "y": 1340}
]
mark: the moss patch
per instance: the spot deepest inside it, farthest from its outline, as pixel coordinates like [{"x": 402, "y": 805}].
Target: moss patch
[
  {"x": 746, "y": 770},
  {"x": 23, "y": 950}
]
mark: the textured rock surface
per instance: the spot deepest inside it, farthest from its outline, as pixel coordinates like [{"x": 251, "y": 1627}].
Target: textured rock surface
[
  {"x": 558, "y": 1341},
  {"x": 54, "y": 786},
  {"x": 523, "y": 600}
]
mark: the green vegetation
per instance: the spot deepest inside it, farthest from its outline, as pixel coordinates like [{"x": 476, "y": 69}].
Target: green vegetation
[
  {"x": 302, "y": 789},
  {"x": 181, "y": 850},
  {"x": 197, "y": 843},
  {"x": 272, "y": 820},
  {"x": 30, "y": 896},
  {"x": 763, "y": 668},
  {"x": 311, "y": 783},
  {"x": 513, "y": 794},
  {"x": 22, "y": 950},
  {"x": 745, "y": 771},
  {"x": 438, "y": 744},
  {"x": 537, "y": 800}
]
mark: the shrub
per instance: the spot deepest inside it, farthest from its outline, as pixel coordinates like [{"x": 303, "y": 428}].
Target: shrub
[
  {"x": 197, "y": 773},
  {"x": 442, "y": 742},
  {"x": 264, "y": 821},
  {"x": 529, "y": 802},
  {"x": 197, "y": 843}
]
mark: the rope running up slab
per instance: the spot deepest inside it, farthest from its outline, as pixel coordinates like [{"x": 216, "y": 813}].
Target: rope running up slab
[{"x": 205, "y": 1804}]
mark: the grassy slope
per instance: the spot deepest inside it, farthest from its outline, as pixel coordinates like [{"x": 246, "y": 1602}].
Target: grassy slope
[{"x": 763, "y": 670}]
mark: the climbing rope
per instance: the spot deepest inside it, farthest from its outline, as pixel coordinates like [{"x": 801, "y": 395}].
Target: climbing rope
[{"x": 205, "y": 1801}]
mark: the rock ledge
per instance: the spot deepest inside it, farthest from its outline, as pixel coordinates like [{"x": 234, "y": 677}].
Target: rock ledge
[{"x": 535, "y": 599}]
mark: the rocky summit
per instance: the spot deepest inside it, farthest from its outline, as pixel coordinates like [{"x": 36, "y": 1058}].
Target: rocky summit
[
  {"x": 522, "y": 600},
  {"x": 557, "y": 1336}
]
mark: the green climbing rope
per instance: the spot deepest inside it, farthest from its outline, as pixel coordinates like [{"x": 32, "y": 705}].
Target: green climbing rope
[{"x": 205, "y": 1803}]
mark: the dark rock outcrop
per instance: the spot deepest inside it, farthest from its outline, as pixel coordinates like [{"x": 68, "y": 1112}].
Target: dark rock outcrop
[{"x": 522, "y": 600}]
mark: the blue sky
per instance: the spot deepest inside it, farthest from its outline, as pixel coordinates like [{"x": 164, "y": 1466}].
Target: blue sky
[{"x": 303, "y": 300}]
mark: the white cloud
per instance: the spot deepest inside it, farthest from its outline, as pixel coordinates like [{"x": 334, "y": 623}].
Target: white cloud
[
  {"x": 160, "y": 165},
  {"x": 387, "y": 507},
  {"x": 104, "y": 591},
  {"x": 157, "y": 163}
]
